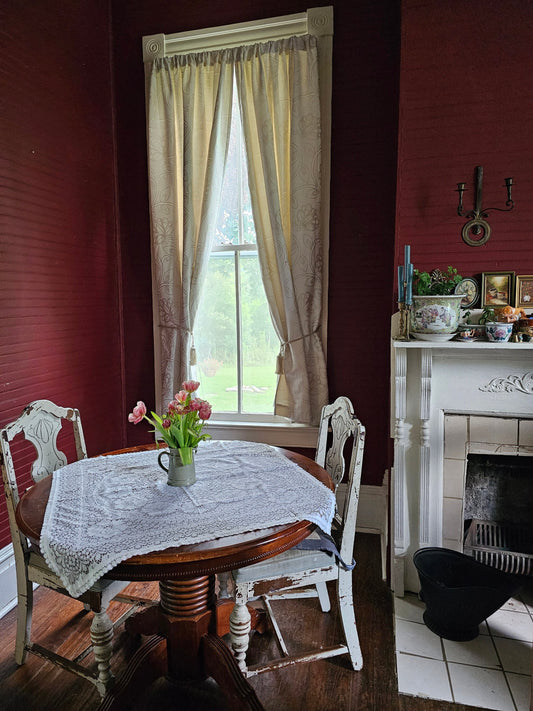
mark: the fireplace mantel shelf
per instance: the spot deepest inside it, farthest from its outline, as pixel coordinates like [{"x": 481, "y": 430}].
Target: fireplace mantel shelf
[{"x": 457, "y": 345}]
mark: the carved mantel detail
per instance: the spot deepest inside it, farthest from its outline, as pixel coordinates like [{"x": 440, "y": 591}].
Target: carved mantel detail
[{"x": 520, "y": 383}]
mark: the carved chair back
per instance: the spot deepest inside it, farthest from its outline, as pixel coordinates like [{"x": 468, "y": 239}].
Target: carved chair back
[
  {"x": 40, "y": 424},
  {"x": 337, "y": 424}
]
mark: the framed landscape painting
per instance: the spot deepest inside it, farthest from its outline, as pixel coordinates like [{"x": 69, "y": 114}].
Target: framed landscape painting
[
  {"x": 497, "y": 289},
  {"x": 524, "y": 291}
]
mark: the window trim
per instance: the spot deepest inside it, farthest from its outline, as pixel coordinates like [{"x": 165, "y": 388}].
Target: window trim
[
  {"x": 316, "y": 21},
  {"x": 280, "y": 434}
]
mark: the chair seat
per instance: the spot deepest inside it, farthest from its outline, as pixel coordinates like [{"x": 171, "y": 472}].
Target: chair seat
[
  {"x": 38, "y": 563},
  {"x": 292, "y": 561}
]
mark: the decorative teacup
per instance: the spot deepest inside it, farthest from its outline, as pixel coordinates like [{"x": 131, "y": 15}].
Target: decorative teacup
[
  {"x": 499, "y": 332},
  {"x": 466, "y": 332}
]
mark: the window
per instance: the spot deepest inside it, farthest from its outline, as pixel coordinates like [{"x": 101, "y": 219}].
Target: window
[
  {"x": 209, "y": 299},
  {"x": 235, "y": 342}
]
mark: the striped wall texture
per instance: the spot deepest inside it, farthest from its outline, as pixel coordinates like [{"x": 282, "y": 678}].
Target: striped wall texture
[
  {"x": 59, "y": 298},
  {"x": 466, "y": 99},
  {"x": 423, "y": 91}
]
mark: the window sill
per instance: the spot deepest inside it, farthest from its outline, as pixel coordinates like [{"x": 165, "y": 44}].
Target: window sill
[{"x": 279, "y": 435}]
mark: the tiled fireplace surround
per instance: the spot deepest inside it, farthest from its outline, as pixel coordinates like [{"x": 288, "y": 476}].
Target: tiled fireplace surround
[{"x": 470, "y": 434}]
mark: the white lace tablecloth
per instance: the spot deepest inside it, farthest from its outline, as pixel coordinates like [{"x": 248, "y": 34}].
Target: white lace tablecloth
[{"x": 104, "y": 510}]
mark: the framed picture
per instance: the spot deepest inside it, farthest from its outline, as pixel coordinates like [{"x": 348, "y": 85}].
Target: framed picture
[
  {"x": 496, "y": 289},
  {"x": 524, "y": 291},
  {"x": 470, "y": 288}
]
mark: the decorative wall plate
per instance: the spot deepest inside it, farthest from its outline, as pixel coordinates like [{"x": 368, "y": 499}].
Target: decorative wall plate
[{"x": 470, "y": 288}]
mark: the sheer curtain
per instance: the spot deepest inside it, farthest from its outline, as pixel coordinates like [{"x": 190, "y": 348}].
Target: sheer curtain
[
  {"x": 279, "y": 96},
  {"x": 188, "y": 124}
]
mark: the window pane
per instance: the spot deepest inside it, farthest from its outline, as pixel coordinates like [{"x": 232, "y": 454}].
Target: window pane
[
  {"x": 260, "y": 345},
  {"x": 215, "y": 335},
  {"x": 235, "y": 203},
  {"x": 233, "y": 307}
]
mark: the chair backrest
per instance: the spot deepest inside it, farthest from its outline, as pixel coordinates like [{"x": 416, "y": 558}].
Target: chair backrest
[
  {"x": 40, "y": 423},
  {"x": 348, "y": 518},
  {"x": 337, "y": 423}
]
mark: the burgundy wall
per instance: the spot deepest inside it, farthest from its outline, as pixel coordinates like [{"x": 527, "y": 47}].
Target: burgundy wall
[
  {"x": 60, "y": 331},
  {"x": 466, "y": 99},
  {"x": 365, "y": 77}
]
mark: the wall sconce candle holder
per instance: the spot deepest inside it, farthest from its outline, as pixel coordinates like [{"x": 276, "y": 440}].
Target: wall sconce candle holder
[{"x": 477, "y": 230}]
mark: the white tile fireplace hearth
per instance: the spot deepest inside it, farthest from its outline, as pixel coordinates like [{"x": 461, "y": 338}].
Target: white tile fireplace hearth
[{"x": 449, "y": 400}]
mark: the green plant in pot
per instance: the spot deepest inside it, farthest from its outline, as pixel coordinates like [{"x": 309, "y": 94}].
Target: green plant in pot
[
  {"x": 436, "y": 283},
  {"x": 436, "y": 308}
]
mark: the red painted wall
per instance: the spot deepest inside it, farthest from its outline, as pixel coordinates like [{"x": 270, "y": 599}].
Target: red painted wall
[
  {"x": 365, "y": 79},
  {"x": 466, "y": 99},
  {"x": 60, "y": 335}
]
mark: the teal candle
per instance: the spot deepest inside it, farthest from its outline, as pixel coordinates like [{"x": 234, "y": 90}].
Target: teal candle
[
  {"x": 401, "y": 294},
  {"x": 409, "y": 284}
]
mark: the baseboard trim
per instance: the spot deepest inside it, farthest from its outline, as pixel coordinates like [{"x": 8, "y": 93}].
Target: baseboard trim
[
  {"x": 8, "y": 580},
  {"x": 372, "y": 513}
]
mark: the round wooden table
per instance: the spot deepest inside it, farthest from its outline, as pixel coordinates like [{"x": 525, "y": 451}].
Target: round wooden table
[{"x": 188, "y": 617}]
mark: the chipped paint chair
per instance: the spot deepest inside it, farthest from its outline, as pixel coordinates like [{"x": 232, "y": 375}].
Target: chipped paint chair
[
  {"x": 268, "y": 580},
  {"x": 40, "y": 423}
]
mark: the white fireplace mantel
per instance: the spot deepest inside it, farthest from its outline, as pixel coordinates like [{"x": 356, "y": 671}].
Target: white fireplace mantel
[{"x": 429, "y": 382}]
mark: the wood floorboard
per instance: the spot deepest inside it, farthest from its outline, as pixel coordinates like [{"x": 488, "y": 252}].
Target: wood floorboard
[{"x": 325, "y": 685}]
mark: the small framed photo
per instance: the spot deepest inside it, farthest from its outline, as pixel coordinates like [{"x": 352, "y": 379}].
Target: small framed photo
[
  {"x": 469, "y": 287},
  {"x": 497, "y": 289},
  {"x": 524, "y": 291}
]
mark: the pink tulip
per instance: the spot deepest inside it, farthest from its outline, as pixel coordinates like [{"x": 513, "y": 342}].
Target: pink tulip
[
  {"x": 181, "y": 396},
  {"x": 166, "y": 423},
  {"x": 190, "y": 385},
  {"x": 195, "y": 405},
  {"x": 139, "y": 411},
  {"x": 205, "y": 411}
]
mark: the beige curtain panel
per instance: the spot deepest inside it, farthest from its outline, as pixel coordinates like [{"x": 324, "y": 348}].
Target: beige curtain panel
[
  {"x": 188, "y": 108},
  {"x": 279, "y": 96}
]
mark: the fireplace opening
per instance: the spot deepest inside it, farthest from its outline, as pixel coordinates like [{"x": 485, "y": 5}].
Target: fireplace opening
[{"x": 498, "y": 511}]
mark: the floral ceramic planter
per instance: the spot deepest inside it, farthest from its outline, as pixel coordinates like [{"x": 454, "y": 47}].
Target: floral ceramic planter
[{"x": 436, "y": 314}]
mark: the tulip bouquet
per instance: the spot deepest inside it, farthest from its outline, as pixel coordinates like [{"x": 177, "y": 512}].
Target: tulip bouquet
[{"x": 181, "y": 426}]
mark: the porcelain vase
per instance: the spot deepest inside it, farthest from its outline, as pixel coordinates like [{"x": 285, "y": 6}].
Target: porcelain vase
[
  {"x": 180, "y": 470},
  {"x": 436, "y": 314}
]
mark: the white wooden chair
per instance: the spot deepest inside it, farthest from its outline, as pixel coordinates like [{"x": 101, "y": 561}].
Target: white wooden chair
[
  {"x": 310, "y": 567},
  {"x": 40, "y": 424}
]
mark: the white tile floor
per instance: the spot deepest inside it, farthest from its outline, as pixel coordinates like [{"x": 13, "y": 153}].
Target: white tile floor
[{"x": 492, "y": 671}]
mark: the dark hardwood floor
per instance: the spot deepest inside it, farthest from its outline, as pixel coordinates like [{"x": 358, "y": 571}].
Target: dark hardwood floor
[{"x": 327, "y": 685}]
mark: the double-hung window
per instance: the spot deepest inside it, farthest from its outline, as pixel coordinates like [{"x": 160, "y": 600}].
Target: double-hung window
[
  {"x": 238, "y": 145},
  {"x": 235, "y": 341}
]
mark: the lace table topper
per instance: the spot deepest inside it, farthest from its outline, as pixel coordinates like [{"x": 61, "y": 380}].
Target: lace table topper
[{"x": 104, "y": 510}]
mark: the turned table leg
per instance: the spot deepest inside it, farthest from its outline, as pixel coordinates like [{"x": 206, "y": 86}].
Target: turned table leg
[{"x": 187, "y": 619}]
